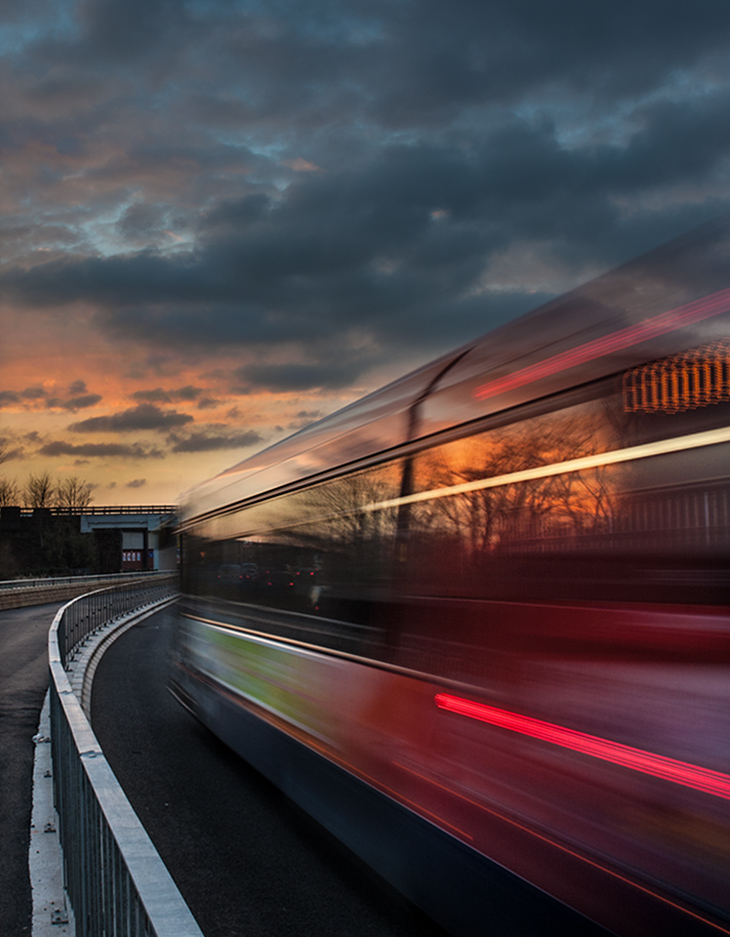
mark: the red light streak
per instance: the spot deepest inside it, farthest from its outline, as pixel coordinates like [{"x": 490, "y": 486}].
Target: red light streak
[
  {"x": 679, "y": 772},
  {"x": 657, "y": 325}
]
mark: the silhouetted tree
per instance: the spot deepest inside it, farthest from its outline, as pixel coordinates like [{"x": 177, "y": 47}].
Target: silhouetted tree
[
  {"x": 73, "y": 493},
  {"x": 40, "y": 490},
  {"x": 9, "y": 492}
]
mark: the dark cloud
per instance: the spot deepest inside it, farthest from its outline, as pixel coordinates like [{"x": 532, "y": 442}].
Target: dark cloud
[
  {"x": 8, "y": 398},
  {"x": 33, "y": 393},
  {"x": 305, "y": 181},
  {"x": 186, "y": 393},
  {"x": 398, "y": 247},
  {"x": 156, "y": 395},
  {"x": 207, "y": 403},
  {"x": 145, "y": 416},
  {"x": 213, "y": 437},
  {"x": 102, "y": 450},
  {"x": 81, "y": 403},
  {"x": 74, "y": 403},
  {"x": 126, "y": 32},
  {"x": 159, "y": 395},
  {"x": 137, "y": 483}
]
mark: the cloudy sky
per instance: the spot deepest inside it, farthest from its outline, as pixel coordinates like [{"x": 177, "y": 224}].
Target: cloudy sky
[{"x": 221, "y": 220}]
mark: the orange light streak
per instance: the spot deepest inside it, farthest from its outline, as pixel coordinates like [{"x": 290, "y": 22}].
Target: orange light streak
[{"x": 669, "y": 769}]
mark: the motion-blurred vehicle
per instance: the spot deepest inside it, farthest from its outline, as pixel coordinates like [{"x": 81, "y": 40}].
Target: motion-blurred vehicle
[
  {"x": 229, "y": 572},
  {"x": 509, "y": 690}
]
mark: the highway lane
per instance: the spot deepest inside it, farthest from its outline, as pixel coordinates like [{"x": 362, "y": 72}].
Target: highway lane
[
  {"x": 247, "y": 860},
  {"x": 23, "y": 684}
]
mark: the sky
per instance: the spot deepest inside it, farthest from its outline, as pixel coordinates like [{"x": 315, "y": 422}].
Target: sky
[{"x": 223, "y": 220}]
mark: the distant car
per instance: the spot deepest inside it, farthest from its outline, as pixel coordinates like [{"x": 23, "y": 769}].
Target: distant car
[
  {"x": 230, "y": 572},
  {"x": 250, "y": 572},
  {"x": 281, "y": 580}
]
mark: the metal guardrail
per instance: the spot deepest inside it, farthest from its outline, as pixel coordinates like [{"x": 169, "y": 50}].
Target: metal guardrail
[
  {"x": 116, "y": 882},
  {"x": 46, "y": 581},
  {"x": 99, "y": 509},
  {"x": 96, "y": 510},
  {"x": 82, "y": 616}
]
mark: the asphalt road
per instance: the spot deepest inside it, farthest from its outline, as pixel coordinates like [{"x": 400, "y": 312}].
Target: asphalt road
[
  {"x": 247, "y": 860},
  {"x": 23, "y": 684}
]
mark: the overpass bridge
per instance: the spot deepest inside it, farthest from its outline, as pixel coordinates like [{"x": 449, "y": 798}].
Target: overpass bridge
[
  {"x": 146, "y": 534},
  {"x": 127, "y": 538}
]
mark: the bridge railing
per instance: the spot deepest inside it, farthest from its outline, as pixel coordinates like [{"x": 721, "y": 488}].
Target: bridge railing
[
  {"x": 116, "y": 882},
  {"x": 96, "y": 510}
]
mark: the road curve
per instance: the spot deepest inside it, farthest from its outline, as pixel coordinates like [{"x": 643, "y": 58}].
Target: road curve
[{"x": 247, "y": 861}]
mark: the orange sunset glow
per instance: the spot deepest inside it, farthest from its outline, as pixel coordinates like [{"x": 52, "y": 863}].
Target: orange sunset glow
[{"x": 139, "y": 431}]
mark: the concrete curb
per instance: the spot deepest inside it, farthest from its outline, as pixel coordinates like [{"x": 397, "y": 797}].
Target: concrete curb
[{"x": 52, "y": 917}]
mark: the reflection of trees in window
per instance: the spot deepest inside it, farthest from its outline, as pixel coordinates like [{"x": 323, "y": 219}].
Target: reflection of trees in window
[
  {"x": 497, "y": 518},
  {"x": 324, "y": 552},
  {"x": 359, "y": 542}
]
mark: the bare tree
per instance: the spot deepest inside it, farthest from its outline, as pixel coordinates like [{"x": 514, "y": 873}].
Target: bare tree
[
  {"x": 74, "y": 493},
  {"x": 9, "y": 492},
  {"x": 40, "y": 490},
  {"x": 490, "y": 518}
]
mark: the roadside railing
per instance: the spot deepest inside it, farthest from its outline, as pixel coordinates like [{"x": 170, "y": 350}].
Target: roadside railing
[
  {"x": 116, "y": 882},
  {"x": 84, "y": 615},
  {"x": 41, "y": 582},
  {"x": 16, "y": 593}
]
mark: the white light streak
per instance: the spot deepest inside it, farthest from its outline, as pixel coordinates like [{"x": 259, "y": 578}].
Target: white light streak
[{"x": 612, "y": 457}]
